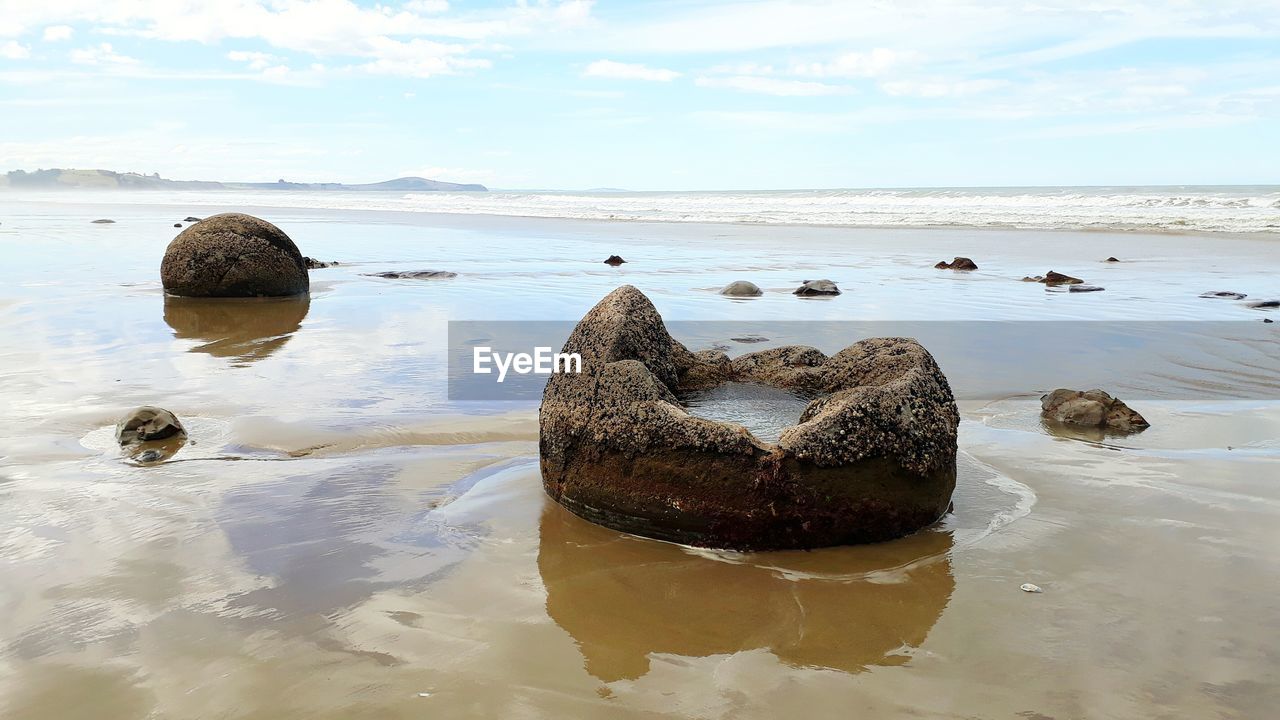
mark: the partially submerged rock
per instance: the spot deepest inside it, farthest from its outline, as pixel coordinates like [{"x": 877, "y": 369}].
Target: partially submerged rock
[
  {"x": 103, "y": 221},
  {"x": 177, "y": 225},
  {"x": 873, "y": 457},
  {"x": 233, "y": 255},
  {"x": 614, "y": 260},
  {"x": 1057, "y": 278},
  {"x": 960, "y": 263},
  {"x": 314, "y": 264},
  {"x": 1091, "y": 409},
  {"x": 146, "y": 424},
  {"x": 742, "y": 288},
  {"x": 1084, "y": 288},
  {"x": 414, "y": 274},
  {"x": 1224, "y": 295},
  {"x": 816, "y": 287},
  {"x": 1113, "y": 258},
  {"x": 190, "y": 219},
  {"x": 1265, "y": 304}
]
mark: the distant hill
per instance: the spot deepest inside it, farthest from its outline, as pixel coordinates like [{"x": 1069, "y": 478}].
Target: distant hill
[{"x": 106, "y": 179}]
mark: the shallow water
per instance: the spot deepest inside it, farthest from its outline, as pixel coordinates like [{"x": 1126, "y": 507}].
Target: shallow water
[{"x": 338, "y": 539}]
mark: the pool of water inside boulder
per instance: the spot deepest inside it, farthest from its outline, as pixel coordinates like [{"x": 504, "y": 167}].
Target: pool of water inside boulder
[{"x": 764, "y": 410}]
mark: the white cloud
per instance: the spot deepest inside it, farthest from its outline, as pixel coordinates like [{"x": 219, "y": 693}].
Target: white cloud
[
  {"x": 874, "y": 63},
  {"x": 255, "y": 60},
  {"x": 57, "y": 33},
  {"x": 773, "y": 86},
  {"x": 102, "y": 54},
  {"x": 628, "y": 71},
  {"x": 939, "y": 89},
  {"x": 11, "y": 50}
]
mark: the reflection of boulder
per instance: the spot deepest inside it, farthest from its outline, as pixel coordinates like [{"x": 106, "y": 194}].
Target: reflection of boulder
[
  {"x": 873, "y": 457},
  {"x": 623, "y": 599},
  {"x": 246, "y": 329}
]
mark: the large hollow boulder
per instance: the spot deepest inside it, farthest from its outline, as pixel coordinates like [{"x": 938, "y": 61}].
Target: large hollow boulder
[
  {"x": 233, "y": 255},
  {"x": 873, "y": 456}
]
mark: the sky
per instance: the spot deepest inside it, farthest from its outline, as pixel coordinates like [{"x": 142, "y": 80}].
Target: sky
[{"x": 681, "y": 94}]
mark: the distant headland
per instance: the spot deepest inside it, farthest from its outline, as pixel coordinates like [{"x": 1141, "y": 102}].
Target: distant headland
[{"x": 53, "y": 179}]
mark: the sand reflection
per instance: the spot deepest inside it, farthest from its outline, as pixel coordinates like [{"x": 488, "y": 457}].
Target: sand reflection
[
  {"x": 244, "y": 330},
  {"x": 622, "y": 599}
]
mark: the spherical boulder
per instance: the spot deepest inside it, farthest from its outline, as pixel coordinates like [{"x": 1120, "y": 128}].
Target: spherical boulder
[
  {"x": 742, "y": 288},
  {"x": 233, "y": 255},
  {"x": 873, "y": 456}
]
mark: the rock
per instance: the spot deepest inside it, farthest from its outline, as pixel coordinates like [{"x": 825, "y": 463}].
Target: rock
[
  {"x": 233, "y": 255},
  {"x": 414, "y": 274},
  {"x": 748, "y": 339},
  {"x": 177, "y": 225},
  {"x": 314, "y": 264},
  {"x": 816, "y": 287},
  {"x": 1265, "y": 304},
  {"x": 1091, "y": 409},
  {"x": 614, "y": 260},
  {"x": 741, "y": 288},
  {"x": 960, "y": 263},
  {"x": 1035, "y": 279},
  {"x": 1084, "y": 288},
  {"x": 873, "y": 457},
  {"x": 1028, "y": 587},
  {"x": 146, "y": 424},
  {"x": 1057, "y": 278},
  {"x": 190, "y": 219},
  {"x": 1113, "y": 258},
  {"x": 1267, "y": 320},
  {"x": 104, "y": 221},
  {"x": 1223, "y": 294}
]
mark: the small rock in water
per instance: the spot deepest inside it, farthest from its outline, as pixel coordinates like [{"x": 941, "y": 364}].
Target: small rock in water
[
  {"x": 1267, "y": 320},
  {"x": 147, "y": 423},
  {"x": 1028, "y": 587},
  {"x": 960, "y": 263},
  {"x": 190, "y": 219},
  {"x": 741, "y": 288},
  {"x": 1113, "y": 258},
  {"x": 1035, "y": 279},
  {"x": 104, "y": 221},
  {"x": 614, "y": 260},
  {"x": 750, "y": 339},
  {"x": 177, "y": 225},
  {"x": 1091, "y": 408},
  {"x": 816, "y": 287},
  {"x": 1085, "y": 288},
  {"x": 414, "y": 274},
  {"x": 1265, "y": 304},
  {"x": 314, "y": 264},
  {"x": 1223, "y": 294},
  {"x": 1056, "y": 278}
]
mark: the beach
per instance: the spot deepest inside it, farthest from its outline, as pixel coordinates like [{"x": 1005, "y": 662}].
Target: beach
[{"x": 341, "y": 539}]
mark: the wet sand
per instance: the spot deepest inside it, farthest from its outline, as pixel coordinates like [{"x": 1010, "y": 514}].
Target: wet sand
[{"x": 339, "y": 540}]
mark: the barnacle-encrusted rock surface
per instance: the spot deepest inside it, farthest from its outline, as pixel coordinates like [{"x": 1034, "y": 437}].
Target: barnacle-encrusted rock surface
[
  {"x": 233, "y": 255},
  {"x": 872, "y": 458}
]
